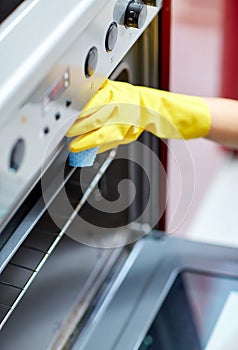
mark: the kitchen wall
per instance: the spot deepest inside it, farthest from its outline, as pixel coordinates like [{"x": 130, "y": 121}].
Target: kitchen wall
[{"x": 196, "y": 56}]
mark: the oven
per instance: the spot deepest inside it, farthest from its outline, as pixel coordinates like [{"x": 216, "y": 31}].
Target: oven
[
  {"x": 81, "y": 264},
  {"x": 67, "y": 232}
]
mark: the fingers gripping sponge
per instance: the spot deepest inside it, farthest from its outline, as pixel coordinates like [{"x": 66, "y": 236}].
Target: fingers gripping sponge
[{"x": 84, "y": 158}]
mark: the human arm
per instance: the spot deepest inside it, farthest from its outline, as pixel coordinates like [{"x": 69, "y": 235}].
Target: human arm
[
  {"x": 120, "y": 112},
  {"x": 224, "y": 121}
]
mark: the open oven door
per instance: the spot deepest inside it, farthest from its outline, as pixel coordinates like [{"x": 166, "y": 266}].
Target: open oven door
[{"x": 171, "y": 294}]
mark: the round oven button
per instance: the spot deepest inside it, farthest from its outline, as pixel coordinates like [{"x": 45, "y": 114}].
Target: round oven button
[
  {"x": 17, "y": 155},
  {"x": 136, "y": 13},
  {"x": 111, "y": 37},
  {"x": 91, "y": 62}
]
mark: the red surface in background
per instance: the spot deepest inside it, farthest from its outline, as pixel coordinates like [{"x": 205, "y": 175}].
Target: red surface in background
[
  {"x": 229, "y": 82},
  {"x": 164, "y": 70},
  {"x": 229, "y": 88}
]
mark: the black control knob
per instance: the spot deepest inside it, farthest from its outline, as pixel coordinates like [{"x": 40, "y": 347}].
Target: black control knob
[
  {"x": 136, "y": 13},
  {"x": 17, "y": 155}
]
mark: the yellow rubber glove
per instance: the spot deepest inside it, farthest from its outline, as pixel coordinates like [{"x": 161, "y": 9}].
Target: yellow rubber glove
[{"x": 120, "y": 112}]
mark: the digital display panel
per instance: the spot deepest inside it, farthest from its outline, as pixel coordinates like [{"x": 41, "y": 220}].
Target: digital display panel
[{"x": 57, "y": 88}]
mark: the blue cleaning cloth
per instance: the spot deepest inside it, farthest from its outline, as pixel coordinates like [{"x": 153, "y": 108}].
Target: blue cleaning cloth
[{"x": 83, "y": 158}]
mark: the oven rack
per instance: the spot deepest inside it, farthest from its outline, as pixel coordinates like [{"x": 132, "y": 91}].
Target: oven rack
[{"x": 31, "y": 257}]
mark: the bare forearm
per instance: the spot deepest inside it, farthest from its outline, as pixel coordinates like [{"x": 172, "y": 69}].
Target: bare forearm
[{"x": 224, "y": 121}]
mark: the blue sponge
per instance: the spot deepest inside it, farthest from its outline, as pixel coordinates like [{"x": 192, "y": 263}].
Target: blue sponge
[{"x": 84, "y": 158}]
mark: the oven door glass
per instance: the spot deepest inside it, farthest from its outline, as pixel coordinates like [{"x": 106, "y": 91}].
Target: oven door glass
[{"x": 199, "y": 311}]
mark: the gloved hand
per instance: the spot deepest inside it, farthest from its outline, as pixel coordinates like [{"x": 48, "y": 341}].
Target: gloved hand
[{"x": 120, "y": 112}]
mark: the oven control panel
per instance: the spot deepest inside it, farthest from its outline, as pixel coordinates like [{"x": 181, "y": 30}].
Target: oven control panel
[{"x": 45, "y": 86}]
